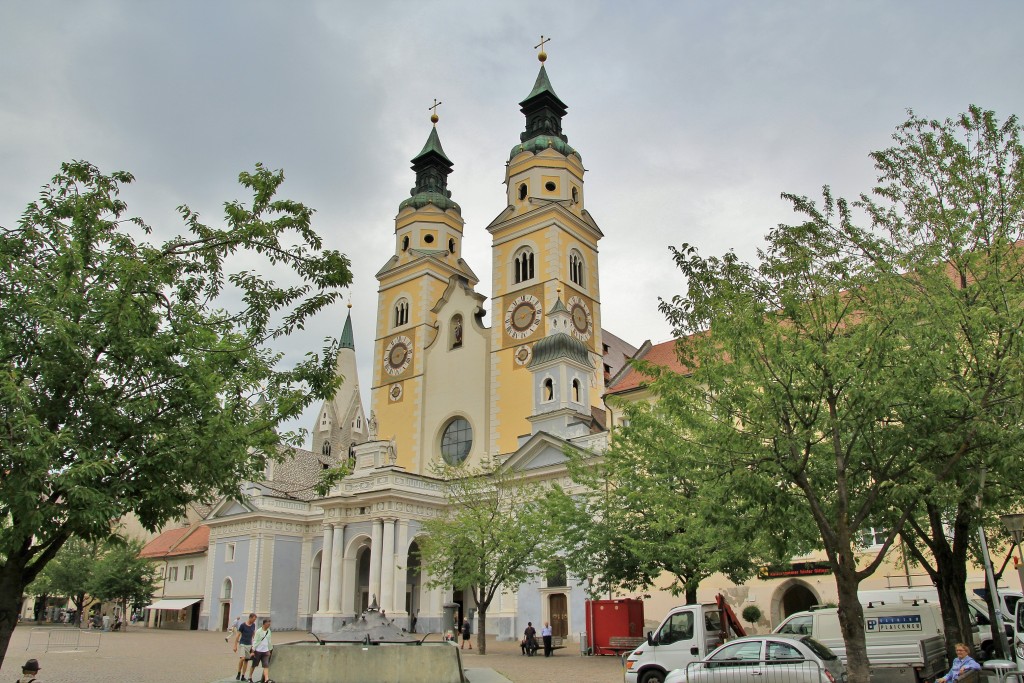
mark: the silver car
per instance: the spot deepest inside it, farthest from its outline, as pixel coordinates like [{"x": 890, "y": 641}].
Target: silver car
[{"x": 773, "y": 658}]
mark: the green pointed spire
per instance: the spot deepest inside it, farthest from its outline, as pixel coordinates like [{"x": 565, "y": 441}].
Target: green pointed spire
[
  {"x": 433, "y": 144},
  {"x": 542, "y": 85},
  {"x": 347, "y": 338}
]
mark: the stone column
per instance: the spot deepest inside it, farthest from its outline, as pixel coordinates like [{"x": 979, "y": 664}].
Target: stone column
[
  {"x": 337, "y": 568},
  {"x": 375, "y": 551},
  {"x": 401, "y": 568},
  {"x": 387, "y": 569},
  {"x": 348, "y": 585},
  {"x": 325, "y": 569}
]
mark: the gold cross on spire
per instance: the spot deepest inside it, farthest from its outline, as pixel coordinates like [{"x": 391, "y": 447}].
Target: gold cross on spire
[
  {"x": 433, "y": 108},
  {"x": 542, "y": 56}
]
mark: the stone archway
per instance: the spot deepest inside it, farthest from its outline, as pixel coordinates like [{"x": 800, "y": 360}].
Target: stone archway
[
  {"x": 413, "y": 599},
  {"x": 791, "y": 597},
  {"x": 314, "y": 582},
  {"x": 362, "y": 579}
]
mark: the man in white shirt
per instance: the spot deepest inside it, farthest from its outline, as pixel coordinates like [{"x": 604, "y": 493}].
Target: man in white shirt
[{"x": 545, "y": 633}]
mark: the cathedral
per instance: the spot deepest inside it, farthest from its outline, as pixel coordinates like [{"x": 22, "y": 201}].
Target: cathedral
[{"x": 445, "y": 386}]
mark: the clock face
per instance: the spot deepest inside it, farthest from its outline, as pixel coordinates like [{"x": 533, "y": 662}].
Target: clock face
[
  {"x": 522, "y": 316},
  {"x": 582, "y": 321},
  {"x": 523, "y": 355},
  {"x": 397, "y": 355}
]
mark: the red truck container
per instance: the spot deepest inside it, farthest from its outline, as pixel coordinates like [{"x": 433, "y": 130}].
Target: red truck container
[{"x": 613, "y": 624}]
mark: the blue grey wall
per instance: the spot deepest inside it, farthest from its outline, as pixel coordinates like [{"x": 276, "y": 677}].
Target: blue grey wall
[
  {"x": 236, "y": 571},
  {"x": 284, "y": 588}
]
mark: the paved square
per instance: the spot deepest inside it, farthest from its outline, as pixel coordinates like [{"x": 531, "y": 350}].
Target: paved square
[{"x": 156, "y": 656}]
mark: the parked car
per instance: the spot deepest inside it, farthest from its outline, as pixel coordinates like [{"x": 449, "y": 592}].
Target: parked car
[{"x": 774, "y": 658}]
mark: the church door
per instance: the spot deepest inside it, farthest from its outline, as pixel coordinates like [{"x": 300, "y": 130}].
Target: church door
[{"x": 559, "y": 612}]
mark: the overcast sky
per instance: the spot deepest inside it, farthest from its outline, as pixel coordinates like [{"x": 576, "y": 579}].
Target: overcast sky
[{"x": 691, "y": 117}]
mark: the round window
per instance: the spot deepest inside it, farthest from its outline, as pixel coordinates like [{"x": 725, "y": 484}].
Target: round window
[
  {"x": 429, "y": 239},
  {"x": 456, "y": 441},
  {"x": 549, "y": 186}
]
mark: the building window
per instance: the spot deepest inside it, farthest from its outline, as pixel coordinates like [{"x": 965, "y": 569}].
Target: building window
[
  {"x": 549, "y": 389},
  {"x": 172, "y": 573},
  {"x": 522, "y": 191},
  {"x": 190, "y": 572},
  {"x": 556, "y": 576},
  {"x": 456, "y": 332},
  {"x": 872, "y": 537},
  {"x": 405, "y": 243},
  {"x": 359, "y": 421},
  {"x": 451, "y": 246},
  {"x": 402, "y": 312},
  {"x": 456, "y": 441},
  {"x": 326, "y": 448},
  {"x": 576, "y": 268},
  {"x": 523, "y": 265},
  {"x": 225, "y": 590},
  {"x": 576, "y": 390},
  {"x": 575, "y": 196},
  {"x": 229, "y": 552}
]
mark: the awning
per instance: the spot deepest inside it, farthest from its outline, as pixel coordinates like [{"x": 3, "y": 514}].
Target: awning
[{"x": 173, "y": 604}]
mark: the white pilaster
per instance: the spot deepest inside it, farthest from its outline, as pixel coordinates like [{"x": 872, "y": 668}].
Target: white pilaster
[
  {"x": 337, "y": 569},
  {"x": 375, "y": 552},
  {"x": 401, "y": 568},
  {"x": 387, "y": 577},
  {"x": 325, "y": 569}
]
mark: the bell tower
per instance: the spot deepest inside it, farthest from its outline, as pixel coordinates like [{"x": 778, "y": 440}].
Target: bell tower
[
  {"x": 428, "y": 247},
  {"x": 544, "y": 242}
]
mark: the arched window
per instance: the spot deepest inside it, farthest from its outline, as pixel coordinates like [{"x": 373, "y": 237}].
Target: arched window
[
  {"x": 326, "y": 448},
  {"x": 451, "y": 246},
  {"x": 576, "y": 267},
  {"x": 456, "y": 332},
  {"x": 359, "y": 421},
  {"x": 402, "y": 312},
  {"x": 523, "y": 265},
  {"x": 549, "y": 389},
  {"x": 576, "y": 390},
  {"x": 405, "y": 243},
  {"x": 225, "y": 590},
  {"x": 555, "y": 575},
  {"x": 522, "y": 191}
]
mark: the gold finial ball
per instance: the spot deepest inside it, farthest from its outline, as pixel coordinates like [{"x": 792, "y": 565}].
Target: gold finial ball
[
  {"x": 350, "y": 304},
  {"x": 542, "y": 56},
  {"x": 434, "y": 118}
]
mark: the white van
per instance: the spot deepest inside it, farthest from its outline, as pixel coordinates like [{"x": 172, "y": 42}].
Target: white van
[
  {"x": 688, "y": 633},
  {"x": 904, "y": 642}
]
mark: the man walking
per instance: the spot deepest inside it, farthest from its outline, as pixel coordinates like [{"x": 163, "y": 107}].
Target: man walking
[
  {"x": 234, "y": 627},
  {"x": 545, "y": 633},
  {"x": 243, "y": 636},
  {"x": 262, "y": 648}
]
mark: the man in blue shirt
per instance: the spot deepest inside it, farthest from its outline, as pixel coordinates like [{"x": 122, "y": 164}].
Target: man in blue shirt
[
  {"x": 961, "y": 665},
  {"x": 243, "y": 637}
]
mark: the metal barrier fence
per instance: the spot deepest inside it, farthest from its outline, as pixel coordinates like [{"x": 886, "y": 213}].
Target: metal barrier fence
[
  {"x": 63, "y": 639},
  {"x": 762, "y": 671}
]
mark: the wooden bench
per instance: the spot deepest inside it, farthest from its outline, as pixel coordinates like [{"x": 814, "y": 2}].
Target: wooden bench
[
  {"x": 557, "y": 643},
  {"x": 621, "y": 644}
]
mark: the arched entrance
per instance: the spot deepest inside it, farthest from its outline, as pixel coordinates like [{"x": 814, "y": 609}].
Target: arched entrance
[
  {"x": 792, "y": 597},
  {"x": 314, "y": 582},
  {"x": 413, "y": 582},
  {"x": 362, "y": 587}
]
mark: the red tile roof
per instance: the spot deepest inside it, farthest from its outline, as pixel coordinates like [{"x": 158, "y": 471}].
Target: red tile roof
[
  {"x": 663, "y": 354},
  {"x": 186, "y": 540}
]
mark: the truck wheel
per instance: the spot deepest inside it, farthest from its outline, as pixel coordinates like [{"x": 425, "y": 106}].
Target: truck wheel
[
  {"x": 988, "y": 650},
  {"x": 653, "y": 676}
]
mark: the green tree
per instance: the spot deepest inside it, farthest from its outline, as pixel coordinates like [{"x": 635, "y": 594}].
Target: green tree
[
  {"x": 949, "y": 208},
  {"x": 130, "y": 371},
  {"x": 69, "y": 573},
  {"x": 122, "y": 576},
  {"x": 482, "y": 542},
  {"x": 654, "y": 506}
]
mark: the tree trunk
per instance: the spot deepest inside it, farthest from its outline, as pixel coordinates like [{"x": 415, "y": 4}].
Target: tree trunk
[
  {"x": 12, "y": 585},
  {"x": 951, "y": 583},
  {"x": 691, "y": 595},
  {"x": 481, "y": 634},
  {"x": 851, "y": 623}
]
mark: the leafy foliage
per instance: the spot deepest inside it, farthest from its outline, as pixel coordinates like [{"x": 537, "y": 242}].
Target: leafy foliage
[
  {"x": 121, "y": 575},
  {"x": 484, "y": 542},
  {"x": 130, "y": 371},
  {"x": 70, "y": 573}
]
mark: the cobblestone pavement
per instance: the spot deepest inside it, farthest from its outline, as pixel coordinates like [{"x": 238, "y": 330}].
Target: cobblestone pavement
[{"x": 154, "y": 656}]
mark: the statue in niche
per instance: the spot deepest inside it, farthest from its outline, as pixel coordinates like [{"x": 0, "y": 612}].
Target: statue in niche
[{"x": 371, "y": 425}]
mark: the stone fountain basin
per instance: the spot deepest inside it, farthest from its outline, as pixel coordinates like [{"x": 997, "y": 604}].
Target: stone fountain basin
[{"x": 309, "y": 662}]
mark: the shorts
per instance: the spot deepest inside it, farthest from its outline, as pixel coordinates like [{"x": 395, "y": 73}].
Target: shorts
[
  {"x": 261, "y": 658},
  {"x": 244, "y": 651}
]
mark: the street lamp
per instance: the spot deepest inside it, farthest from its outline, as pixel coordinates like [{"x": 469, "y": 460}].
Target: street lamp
[{"x": 1015, "y": 525}]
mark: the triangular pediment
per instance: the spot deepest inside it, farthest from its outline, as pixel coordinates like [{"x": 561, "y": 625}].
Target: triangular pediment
[
  {"x": 229, "y": 507},
  {"x": 541, "y": 451}
]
